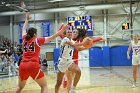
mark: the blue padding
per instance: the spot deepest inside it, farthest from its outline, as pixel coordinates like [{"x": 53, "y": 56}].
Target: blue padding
[
  {"x": 56, "y": 55},
  {"x": 20, "y": 41},
  {"x": 106, "y": 56},
  {"x": 118, "y": 56},
  {"x": 95, "y": 56}
]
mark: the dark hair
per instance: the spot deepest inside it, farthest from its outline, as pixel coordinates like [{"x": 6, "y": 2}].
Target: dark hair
[
  {"x": 64, "y": 32},
  {"x": 81, "y": 34},
  {"x": 30, "y": 33}
]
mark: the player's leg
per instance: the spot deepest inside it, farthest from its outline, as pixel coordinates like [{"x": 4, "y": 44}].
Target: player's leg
[
  {"x": 23, "y": 76},
  {"x": 37, "y": 74},
  {"x": 43, "y": 84},
  {"x": 69, "y": 79},
  {"x": 74, "y": 68},
  {"x": 20, "y": 86},
  {"x": 134, "y": 70},
  {"x": 59, "y": 81}
]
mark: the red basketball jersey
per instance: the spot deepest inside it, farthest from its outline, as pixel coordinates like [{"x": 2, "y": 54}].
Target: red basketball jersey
[{"x": 31, "y": 49}]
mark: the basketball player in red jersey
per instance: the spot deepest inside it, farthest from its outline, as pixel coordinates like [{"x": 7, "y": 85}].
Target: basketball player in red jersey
[
  {"x": 29, "y": 65},
  {"x": 78, "y": 36},
  {"x": 79, "y": 39}
]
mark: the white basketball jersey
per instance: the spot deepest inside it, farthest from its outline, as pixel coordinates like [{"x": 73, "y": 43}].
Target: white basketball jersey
[
  {"x": 66, "y": 51},
  {"x": 135, "y": 47}
]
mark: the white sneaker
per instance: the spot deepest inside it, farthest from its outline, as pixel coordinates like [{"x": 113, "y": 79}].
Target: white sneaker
[
  {"x": 134, "y": 85},
  {"x": 72, "y": 90}
]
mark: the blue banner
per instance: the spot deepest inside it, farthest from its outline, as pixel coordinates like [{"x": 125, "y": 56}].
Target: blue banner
[
  {"x": 20, "y": 25},
  {"x": 45, "y": 27},
  {"x": 20, "y": 32}
]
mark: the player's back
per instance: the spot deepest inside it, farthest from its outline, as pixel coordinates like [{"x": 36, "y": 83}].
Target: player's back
[{"x": 31, "y": 50}]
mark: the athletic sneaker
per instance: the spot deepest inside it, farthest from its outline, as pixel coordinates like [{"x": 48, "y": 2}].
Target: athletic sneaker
[
  {"x": 72, "y": 90},
  {"x": 134, "y": 85}
]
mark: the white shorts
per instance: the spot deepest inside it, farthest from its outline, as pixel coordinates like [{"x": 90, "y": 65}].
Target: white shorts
[
  {"x": 64, "y": 64},
  {"x": 135, "y": 59}
]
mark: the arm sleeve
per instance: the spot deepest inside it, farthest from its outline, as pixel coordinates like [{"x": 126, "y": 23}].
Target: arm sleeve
[
  {"x": 41, "y": 40},
  {"x": 97, "y": 39},
  {"x": 23, "y": 37}
]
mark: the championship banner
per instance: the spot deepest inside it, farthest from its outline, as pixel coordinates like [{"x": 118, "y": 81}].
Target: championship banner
[
  {"x": 45, "y": 27},
  {"x": 20, "y": 26},
  {"x": 20, "y": 32}
]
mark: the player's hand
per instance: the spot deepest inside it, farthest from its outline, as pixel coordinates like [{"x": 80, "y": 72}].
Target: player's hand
[
  {"x": 28, "y": 16},
  {"x": 87, "y": 40},
  {"x": 103, "y": 38},
  {"x": 63, "y": 29}
]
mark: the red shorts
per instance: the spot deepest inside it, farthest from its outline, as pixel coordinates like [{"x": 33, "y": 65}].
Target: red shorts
[{"x": 32, "y": 69}]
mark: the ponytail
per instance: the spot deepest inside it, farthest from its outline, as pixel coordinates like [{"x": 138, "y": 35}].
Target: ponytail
[
  {"x": 81, "y": 34},
  {"x": 28, "y": 37},
  {"x": 30, "y": 33}
]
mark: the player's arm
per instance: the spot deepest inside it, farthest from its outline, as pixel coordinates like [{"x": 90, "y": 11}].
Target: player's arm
[
  {"x": 78, "y": 46},
  {"x": 137, "y": 51},
  {"x": 28, "y": 17},
  {"x": 3, "y": 51},
  {"x": 85, "y": 41},
  {"x": 98, "y": 39},
  {"x": 128, "y": 51},
  {"x": 62, "y": 35},
  {"x": 48, "y": 39}
]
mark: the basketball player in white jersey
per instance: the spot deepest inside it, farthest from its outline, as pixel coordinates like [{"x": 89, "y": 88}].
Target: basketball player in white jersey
[
  {"x": 66, "y": 62},
  {"x": 134, "y": 45}
]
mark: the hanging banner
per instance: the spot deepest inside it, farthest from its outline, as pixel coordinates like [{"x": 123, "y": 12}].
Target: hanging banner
[
  {"x": 45, "y": 27},
  {"x": 20, "y": 26}
]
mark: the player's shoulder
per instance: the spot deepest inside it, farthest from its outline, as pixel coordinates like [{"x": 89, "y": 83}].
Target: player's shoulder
[{"x": 66, "y": 39}]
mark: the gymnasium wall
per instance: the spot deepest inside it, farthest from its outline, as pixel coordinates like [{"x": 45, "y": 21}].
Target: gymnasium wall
[
  {"x": 115, "y": 20},
  {"x": 4, "y": 30},
  {"x": 5, "y": 27},
  {"x": 103, "y": 56}
]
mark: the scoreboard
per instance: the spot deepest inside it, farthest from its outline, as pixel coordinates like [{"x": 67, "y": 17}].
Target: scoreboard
[
  {"x": 125, "y": 26},
  {"x": 84, "y": 22}
]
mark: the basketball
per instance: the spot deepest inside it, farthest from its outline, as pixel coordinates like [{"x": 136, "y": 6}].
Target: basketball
[{"x": 89, "y": 44}]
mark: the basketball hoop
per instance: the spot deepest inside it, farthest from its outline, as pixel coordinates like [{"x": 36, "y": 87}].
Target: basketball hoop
[
  {"x": 127, "y": 9},
  {"x": 81, "y": 11}
]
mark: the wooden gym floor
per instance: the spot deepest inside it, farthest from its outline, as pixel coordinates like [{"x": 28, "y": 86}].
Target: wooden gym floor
[{"x": 93, "y": 80}]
